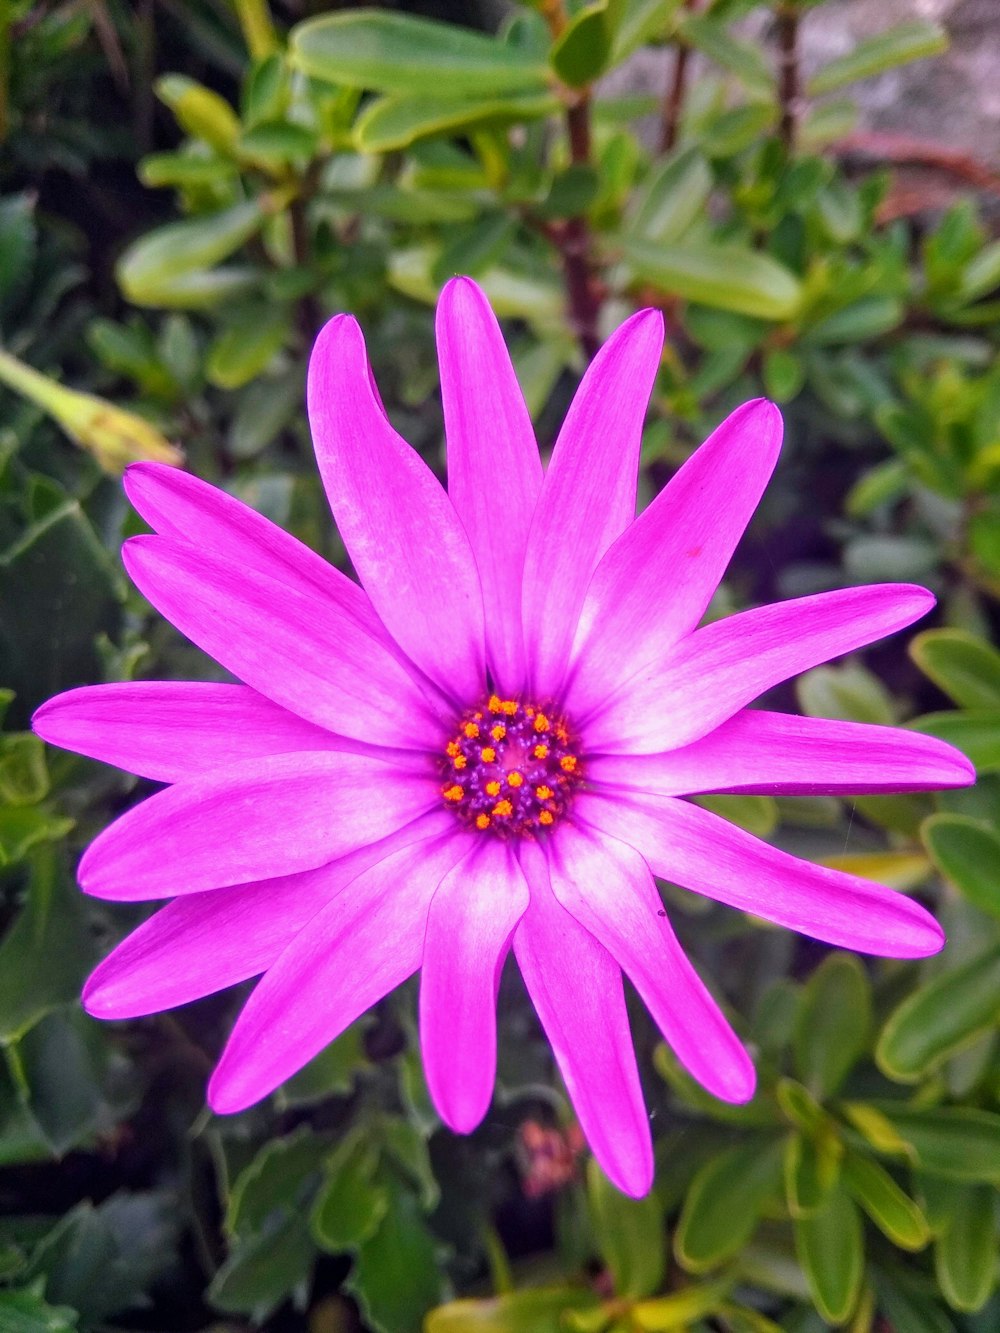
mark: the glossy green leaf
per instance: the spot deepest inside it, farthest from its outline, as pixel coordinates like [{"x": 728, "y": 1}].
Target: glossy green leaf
[
  {"x": 629, "y": 1233},
  {"x": 896, "y": 46},
  {"x": 726, "y": 277},
  {"x": 940, "y": 1018},
  {"x": 957, "y": 1142},
  {"x": 830, "y": 1246},
  {"x": 152, "y": 270},
  {"x": 533, "y": 1310},
  {"x": 672, "y": 197},
  {"x": 352, "y": 1200},
  {"x": 964, "y": 666},
  {"x": 893, "y": 1212},
  {"x": 965, "y": 1255},
  {"x": 396, "y": 53},
  {"x": 582, "y": 50},
  {"x": 389, "y": 123},
  {"x": 812, "y": 1168},
  {"x": 834, "y": 1019},
  {"x": 967, "y": 852},
  {"x": 396, "y": 1275},
  {"x": 724, "y": 1203}
]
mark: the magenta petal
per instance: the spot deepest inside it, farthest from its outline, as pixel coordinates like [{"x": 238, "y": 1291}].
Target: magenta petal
[
  {"x": 783, "y": 755},
  {"x": 356, "y": 950},
  {"x": 608, "y": 888},
  {"x": 653, "y": 586},
  {"x": 576, "y": 988},
  {"x": 494, "y": 472},
  {"x": 203, "y": 942},
  {"x": 256, "y": 820},
  {"x": 705, "y": 853},
  {"x": 175, "y": 504},
  {"x": 284, "y": 643},
  {"x": 588, "y": 497},
  {"x": 404, "y": 537},
  {"x": 168, "y": 730},
  {"x": 714, "y": 672},
  {"x": 469, "y": 925}
]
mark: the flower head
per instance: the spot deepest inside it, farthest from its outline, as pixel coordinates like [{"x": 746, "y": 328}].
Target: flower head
[{"x": 484, "y": 746}]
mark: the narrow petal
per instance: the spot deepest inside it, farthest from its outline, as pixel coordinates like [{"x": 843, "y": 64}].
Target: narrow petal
[
  {"x": 284, "y": 643},
  {"x": 607, "y": 886},
  {"x": 576, "y": 988},
  {"x": 176, "y": 504},
  {"x": 783, "y": 755},
  {"x": 401, "y": 530},
  {"x": 352, "y": 953},
  {"x": 653, "y": 586},
  {"x": 469, "y": 925},
  {"x": 588, "y": 497},
  {"x": 494, "y": 472},
  {"x": 169, "y": 730},
  {"x": 204, "y": 942},
  {"x": 705, "y": 853},
  {"x": 256, "y": 820},
  {"x": 714, "y": 672}
]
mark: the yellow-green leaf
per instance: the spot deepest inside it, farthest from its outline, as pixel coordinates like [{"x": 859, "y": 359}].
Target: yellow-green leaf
[{"x": 728, "y": 277}]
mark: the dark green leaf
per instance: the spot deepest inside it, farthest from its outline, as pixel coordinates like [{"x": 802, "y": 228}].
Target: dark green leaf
[
  {"x": 965, "y": 1256},
  {"x": 582, "y": 50},
  {"x": 629, "y": 1233},
  {"x": 24, "y": 1311},
  {"x": 975, "y": 732},
  {"x": 966, "y": 668},
  {"x": 893, "y": 1212},
  {"x": 830, "y": 1246},
  {"x": 834, "y": 1018},
  {"x": 396, "y": 1276},
  {"x": 724, "y": 1203},
  {"x": 966, "y": 851}
]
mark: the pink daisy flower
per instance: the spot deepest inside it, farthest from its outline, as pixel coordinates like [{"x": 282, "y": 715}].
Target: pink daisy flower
[{"x": 484, "y": 746}]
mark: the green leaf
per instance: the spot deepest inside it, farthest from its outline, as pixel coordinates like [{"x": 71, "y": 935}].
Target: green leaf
[
  {"x": 582, "y": 50},
  {"x": 784, "y": 374},
  {"x": 871, "y": 317},
  {"x": 352, "y": 1201},
  {"x": 277, "y": 142},
  {"x": 629, "y": 1234},
  {"x": 397, "y": 1276},
  {"x": 893, "y": 1212},
  {"x": 941, "y": 1017},
  {"x": 637, "y": 22},
  {"x": 55, "y": 1066},
  {"x": 277, "y": 1179},
  {"x": 756, "y": 814},
  {"x": 24, "y": 777},
  {"x": 896, "y": 46},
  {"x": 199, "y": 111},
  {"x": 394, "y": 53},
  {"x": 332, "y": 1073},
  {"x": 812, "y": 1168},
  {"x": 975, "y": 732},
  {"x": 830, "y": 1246},
  {"x": 24, "y": 1311},
  {"x": 848, "y": 693},
  {"x": 833, "y": 1022},
  {"x": 727, "y": 277},
  {"x": 534, "y": 1310},
  {"x": 965, "y": 1255},
  {"x": 967, "y": 852},
  {"x": 45, "y": 954},
  {"x": 711, "y": 37},
  {"x": 672, "y": 197},
  {"x": 679, "y": 1310},
  {"x": 389, "y": 123},
  {"x": 966, "y": 668},
  {"x": 262, "y": 1272},
  {"x": 956, "y": 1142},
  {"x": 150, "y": 269},
  {"x": 242, "y": 352},
  {"x": 724, "y": 1202},
  {"x": 476, "y": 247}
]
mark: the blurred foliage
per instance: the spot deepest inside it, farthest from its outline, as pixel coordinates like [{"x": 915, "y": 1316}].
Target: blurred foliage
[{"x": 186, "y": 191}]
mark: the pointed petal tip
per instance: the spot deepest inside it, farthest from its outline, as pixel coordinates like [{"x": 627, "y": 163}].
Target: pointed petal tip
[
  {"x": 461, "y": 1116},
  {"x": 632, "y": 1174},
  {"x": 225, "y": 1099}
]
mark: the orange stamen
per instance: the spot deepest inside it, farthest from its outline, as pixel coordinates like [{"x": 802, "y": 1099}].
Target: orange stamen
[
  {"x": 503, "y": 809},
  {"x": 454, "y": 792},
  {"x": 487, "y": 754},
  {"x": 515, "y": 778}
]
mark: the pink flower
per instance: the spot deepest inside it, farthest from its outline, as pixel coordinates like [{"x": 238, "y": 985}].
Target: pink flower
[{"x": 485, "y": 745}]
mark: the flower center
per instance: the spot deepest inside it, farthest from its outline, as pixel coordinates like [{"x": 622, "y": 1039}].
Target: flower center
[{"x": 511, "y": 768}]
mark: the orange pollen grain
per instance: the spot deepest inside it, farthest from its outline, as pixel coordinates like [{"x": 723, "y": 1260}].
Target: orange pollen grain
[
  {"x": 544, "y": 793},
  {"x": 460, "y": 761},
  {"x": 503, "y": 809},
  {"x": 487, "y": 754},
  {"x": 541, "y": 722},
  {"x": 494, "y": 704},
  {"x": 454, "y": 792},
  {"x": 498, "y": 732},
  {"x": 470, "y": 730},
  {"x": 568, "y": 763},
  {"x": 515, "y": 779},
  {"x": 493, "y": 788},
  {"x": 541, "y": 752},
  {"x": 482, "y": 821},
  {"x": 452, "y": 750},
  {"x": 546, "y": 817},
  {"x": 508, "y": 706}
]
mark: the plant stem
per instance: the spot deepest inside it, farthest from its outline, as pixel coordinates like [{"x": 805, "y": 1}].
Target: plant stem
[
  {"x": 673, "y": 102},
  {"x": 788, "y": 73}
]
